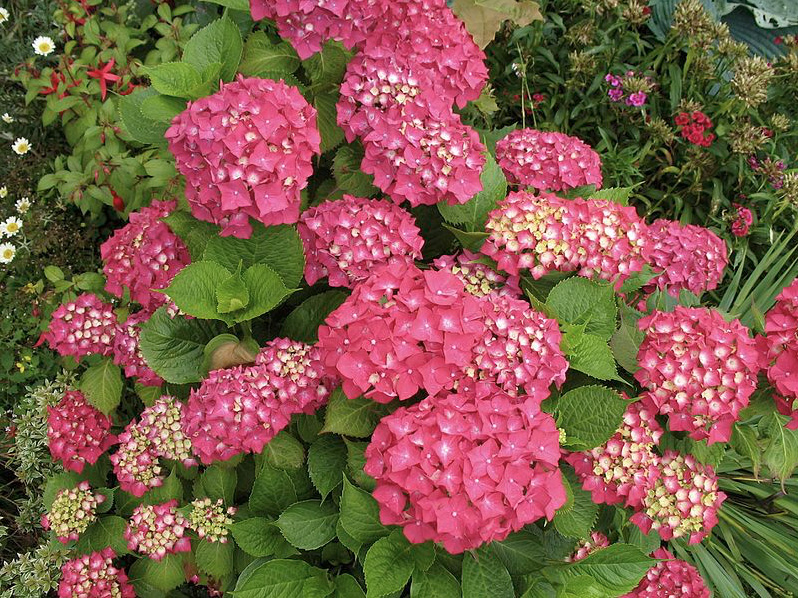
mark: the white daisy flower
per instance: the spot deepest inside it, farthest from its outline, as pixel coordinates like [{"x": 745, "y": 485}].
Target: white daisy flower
[
  {"x": 7, "y": 253},
  {"x": 11, "y": 226},
  {"x": 21, "y": 146},
  {"x": 3, "y": 192},
  {"x": 3, "y": 15},
  {"x": 23, "y": 205},
  {"x": 43, "y": 45},
  {"x": 7, "y": 118}
]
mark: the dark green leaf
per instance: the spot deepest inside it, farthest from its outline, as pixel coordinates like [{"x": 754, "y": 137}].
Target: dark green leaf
[
  {"x": 258, "y": 536},
  {"x": 590, "y": 415},
  {"x": 436, "y": 582},
  {"x": 219, "y": 42},
  {"x": 327, "y": 458},
  {"x": 388, "y": 565},
  {"x": 303, "y": 323},
  {"x": 263, "y": 58},
  {"x": 309, "y": 524},
  {"x": 579, "y": 301},
  {"x": 281, "y": 578},
  {"x": 140, "y": 127},
  {"x": 106, "y": 531},
  {"x": 194, "y": 289},
  {"x": 214, "y": 558},
  {"x": 360, "y": 515},
  {"x": 102, "y": 385},
  {"x": 473, "y": 213},
  {"x": 352, "y": 417},
  {"x": 485, "y": 575},
  {"x": 174, "y": 78}
]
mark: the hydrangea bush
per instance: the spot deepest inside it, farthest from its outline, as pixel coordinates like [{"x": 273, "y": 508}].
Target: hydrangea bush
[{"x": 362, "y": 353}]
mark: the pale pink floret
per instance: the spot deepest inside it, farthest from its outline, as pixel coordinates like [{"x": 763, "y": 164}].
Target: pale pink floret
[
  {"x": 781, "y": 347},
  {"x": 683, "y": 501},
  {"x": 698, "y": 369},
  {"x": 586, "y": 547},
  {"x": 128, "y": 354},
  {"x": 479, "y": 278},
  {"x": 246, "y": 151},
  {"x": 465, "y": 469},
  {"x": 77, "y": 432},
  {"x": 157, "y": 530},
  {"x": 670, "y": 578},
  {"x": 543, "y": 233},
  {"x": 692, "y": 257},
  {"x": 72, "y": 512},
  {"x": 240, "y": 409},
  {"x": 82, "y": 327},
  {"x": 346, "y": 239},
  {"x": 94, "y": 576},
  {"x": 144, "y": 256},
  {"x": 548, "y": 161},
  {"x": 623, "y": 468}
]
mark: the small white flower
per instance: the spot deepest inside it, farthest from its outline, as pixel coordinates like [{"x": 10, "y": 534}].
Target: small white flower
[
  {"x": 3, "y": 15},
  {"x": 43, "y": 46},
  {"x": 23, "y": 205},
  {"x": 11, "y": 226},
  {"x": 7, "y": 118},
  {"x": 3, "y": 192},
  {"x": 21, "y": 146},
  {"x": 7, "y": 253}
]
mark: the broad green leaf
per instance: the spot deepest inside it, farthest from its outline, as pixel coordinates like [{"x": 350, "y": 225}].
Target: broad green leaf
[
  {"x": 282, "y": 452},
  {"x": 578, "y": 520},
  {"x": 356, "y": 461},
  {"x": 469, "y": 240},
  {"x": 473, "y": 213},
  {"x": 346, "y": 586},
  {"x": 744, "y": 440},
  {"x": 617, "y": 569},
  {"x": 352, "y": 417},
  {"x": 326, "y": 120},
  {"x": 592, "y": 356},
  {"x": 102, "y": 385},
  {"x": 194, "y": 233},
  {"x": 262, "y": 58},
  {"x": 521, "y": 552},
  {"x": 275, "y": 490},
  {"x": 56, "y": 483},
  {"x": 234, "y": 4},
  {"x": 303, "y": 323},
  {"x": 626, "y": 340},
  {"x": 590, "y": 415},
  {"x": 485, "y": 575},
  {"x": 282, "y": 578},
  {"x": 174, "y": 78},
  {"x": 219, "y": 482},
  {"x": 173, "y": 347},
  {"x": 266, "y": 291},
  {"x": 310, "y": 524},
  {"x": 326, "y": 68},
  {"x": 106, "y": 531},
  {"x": 214, "y": 558},
  {"x": 360, "y": 515},
  {"x": 258, "y": 536},
  {"x": 781, "y": 452},
  {"x": 346, "y": 169},
  {"x": 346, "y": 539},
  {"x": 140, "y": 127},
  {"x": 436, "y": 582},
  {"x": 164, "y": 575},
  {"x": 161, "y": 108},
  {"x": 232, "y": 294},
  {"x": 221, "y": 42},
  {"x": 619, "y": 195},
  {"x": 579, "y": 301},
  {"x": 327, "y": 458},
  {"x": 194, "y": 289},
  {"x": 388, "y": 565}
]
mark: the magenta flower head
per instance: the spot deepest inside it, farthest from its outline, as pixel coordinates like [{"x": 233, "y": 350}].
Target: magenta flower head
[
  {"x": 479, "y": 278},
  {"x": 246, "y": 151},
  {"x": 781, "y": 345},
  {"x": 698, "y": 369},
  {"x": 467, "y": 468},
  {"x": 588, "y": 546},
  {"x": 128, "y": 354},
  {"x": 345, "y": 240},
  {"x": 670, "y": 577},
  {"x": 543, "y": 233},
  {"x": 143, "y": 256},
  {"x": 692, "y": 257},
  {"x": 622, "y": 470},
  {"x": 81, "y": 327},
  {"x": 239, "y": 409},
  {"x": 94, "y": 576},
  {"x": 548, "y": 161},
  {"x": 157, "y": 530},
  {"x": 741, "y": 221},
  {"x": 421, "y": 152},
  {"x": 638, "y": 98},
  {"x": 72, "y": 512},
  {"x": 77, "y": 432},
  {"x": 683, "y": 501}
]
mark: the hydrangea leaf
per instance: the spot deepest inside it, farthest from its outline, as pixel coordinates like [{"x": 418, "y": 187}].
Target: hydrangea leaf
[
  {"x": 435, "y": 582},
  {"x": 303, "y": 323},
  {"x": 141, "y": 127},
  {"x": 266, "y": 291},
  {"x": 194, "y": 289},
  {"x": 259, "y": 537},
  {"x": 276, "y": 489},
  {"x": 521, "y": 552},
  {"x": 219, "y": 482},
  {"x": 360, "y": 515},
  {"x": 327, "y": 458},
  {"x": 232, "y": 294},
  {"x": 473, "y": 213},
  {"x": 177, "y": 79},
  {"x": 262, "y": 58},
  {"x": 309, "y": 524},
  {"x": 347, "y": 586},
  {"x": 625, "y": 342},
  {"x": 102, "y": 385},
  {"x": 468, "y": 240},
  {"x": 106, "y": 531},
  {"x": 616, "y": 569},
  {"x": 356, "y": 461},
  {"x": 163, "y": 575},
  {"x": 781, "y": 451},
  {"x": 234, "y": 4},
  {"x": 194, "y": 233},
  {"x": 352, "y": 417},
  {"x": 590, "y": 415},
  {"x": 579, "y": 301},
  {"x": 485, "y": 575},
  {"x": 346, "y": 169},
  {"x": 326, "y": 119},
  {"x": 214, "y": 558},
  {"x": 221, "y": 42},
  {"x": 619, "y": 195},
  {"x": 326, "y": 68},
  {"x": 282, "y": 452},
  {"x": 283, "y": 578},
  {"x": 578, "y": 520},
  {"x": 161, "y": 108},
  {"x": 591, "y": 355},
  {"x": 388, "y": 565}
]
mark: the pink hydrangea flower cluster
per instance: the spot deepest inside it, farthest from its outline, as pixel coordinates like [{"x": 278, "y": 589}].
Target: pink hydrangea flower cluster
[
  {"x": 82, "y": 327},
  {"x": 621, "y": 470},
  {"x": 158, "y": 434},
  {"x": 586, "y": 547},
  {"x": 548, "y": 161},
  {"x": 128, "y": 354},
  {"x": 77, "y": 432},
  {"x": 240, "y": 409},
  {"x": 246, "y": 151},
  {"x": 479, "y": 278},
  {"x": 346, "y": 239},
  {"x": 144, "y": 255},
  {"x": 94, "y": 576},
  {"x": 692, "y": 257},
  {"x": 72, "y": 512},
  {"x": 683, "y": 501},
  {"x": 543, "y": 233},
  {"x": 157, "y": 530},
  {"x": 467, "y": 468},
  {"x": 670, "y": 577},
  {"x": 698, "y": 369},
  {"x": 211, "y": 520},
  {"x": 781, "y": 347}
]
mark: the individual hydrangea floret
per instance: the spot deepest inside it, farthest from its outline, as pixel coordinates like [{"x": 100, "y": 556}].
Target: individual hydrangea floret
[
  {"x": 94, "y": 576},
  {"x": 781, "y": 347},
  {"x": 128, "y": 354},
  {"x": 157, "y": 530},
  {"x": 72, "y": 511},
  {"x": 479, "y": 278},
  {"x": 670, "y": 577},
  {"x": 548, "y": 161},
  {"x": 698, "y": 369},
  {"x": 543, "y": 233},
  {"x": 77, "y": 432},
  {"x": 346, "y": 239},
  {"x": 246, "y": 151},
  {"x": 586, "y": 547},
  {"x": 211, "y": 520},
  {"x": 683, "y": 501},
  {"x": 82, "y": 327},
  {"x": 144, "y": 256},
  {"x": 692, "y": 257},
  {"x": 467, "y": 468},
  {"x": 623, "y": 468},
  {"x": 239, "y": 409}
]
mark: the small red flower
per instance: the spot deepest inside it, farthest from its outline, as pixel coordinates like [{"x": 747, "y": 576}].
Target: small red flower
[{"x": 104, "y": 75}]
